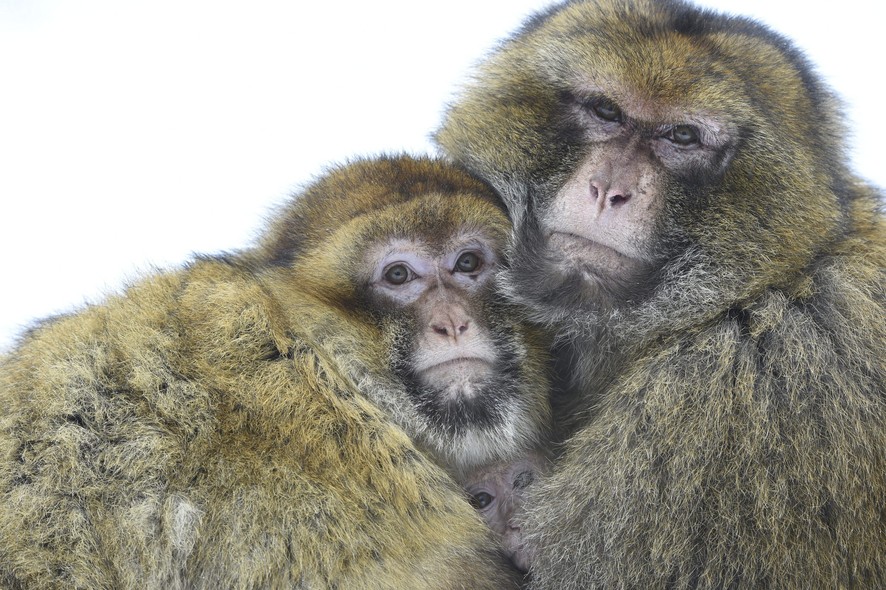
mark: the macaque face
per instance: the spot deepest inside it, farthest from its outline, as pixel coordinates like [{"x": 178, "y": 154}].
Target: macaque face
[
  {"x": 497, "y": 492},
  {"x": 601, "y": 224},
  {"x": 442, "y": 288},
  {"x": 454, "y": 343}
]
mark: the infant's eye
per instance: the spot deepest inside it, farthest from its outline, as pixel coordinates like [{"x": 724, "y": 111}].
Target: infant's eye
[
  {"x": 397, "y": 274},
  {"x": 467, "y": 262},
  {"x": 481, "y": 500}
]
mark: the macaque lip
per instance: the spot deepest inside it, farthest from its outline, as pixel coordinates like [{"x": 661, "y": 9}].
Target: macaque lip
[
  {"x": 576, "y": 242},
  {"x": 456, "y": 369},
  {"x": 466, "y": 361},
  {"x": 586, "y": 254}
]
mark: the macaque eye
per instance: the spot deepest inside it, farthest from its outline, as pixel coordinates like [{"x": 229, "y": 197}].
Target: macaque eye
[
  {"x": 605, "y": 109},
  {"x": 397, "y": 274},
  {"x": 683, "y": 135},
  {"x": 467, "y": 262},
  {"x": 481, "y": 500}
]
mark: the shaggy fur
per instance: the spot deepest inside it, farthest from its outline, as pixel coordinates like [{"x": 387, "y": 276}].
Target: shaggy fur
[
  {"x": 235, "y": 424},
  {"x": 730, "y": 420}
]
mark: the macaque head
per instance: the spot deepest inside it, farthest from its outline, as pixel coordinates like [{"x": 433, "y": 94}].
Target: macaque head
[
  {"x": 407, "y": 252},
  {"x": 497, "y": 492},
  {"x": 642, "y": 146}
]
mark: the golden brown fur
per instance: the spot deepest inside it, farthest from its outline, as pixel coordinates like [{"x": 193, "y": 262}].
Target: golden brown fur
[
  {"x": 732, "y": 421},
  {"x": 233, "y": 424}
]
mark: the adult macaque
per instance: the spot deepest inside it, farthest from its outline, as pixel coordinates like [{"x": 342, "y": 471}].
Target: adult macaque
[
  {"x": 688, "y": 226},
  {"x": 281, "y": 417}
]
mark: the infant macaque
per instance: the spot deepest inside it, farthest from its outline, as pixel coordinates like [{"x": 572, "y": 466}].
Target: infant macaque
[{"x": 497, "y": 491}]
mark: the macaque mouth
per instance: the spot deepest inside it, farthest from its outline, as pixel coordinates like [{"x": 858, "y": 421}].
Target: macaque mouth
[
  {"x": 458, "y": 367},
  {"x": 579, "y": 253},
  {"x": 571, "y": 242},
  {"x": 458, "y": 376}
]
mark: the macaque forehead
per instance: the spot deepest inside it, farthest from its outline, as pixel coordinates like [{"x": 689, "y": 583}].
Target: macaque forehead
[
  {"x": 430, "y": 225},
  {"x": 434, "y": 220},
  {"x": 467, "y": 237},
  {"x": 655, "y": 67},
  {"x": 647, "y": 84}
]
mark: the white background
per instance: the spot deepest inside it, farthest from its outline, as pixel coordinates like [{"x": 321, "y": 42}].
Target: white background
[{"x": 133, "y": 134}]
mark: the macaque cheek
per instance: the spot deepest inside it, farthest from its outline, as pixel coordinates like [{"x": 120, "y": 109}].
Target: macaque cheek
[
  {"x": 494, "y": 518},
  {"x": 521, "y": 555}
]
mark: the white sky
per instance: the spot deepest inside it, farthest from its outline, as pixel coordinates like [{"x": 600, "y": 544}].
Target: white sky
[{"x": 133, "y": 134}]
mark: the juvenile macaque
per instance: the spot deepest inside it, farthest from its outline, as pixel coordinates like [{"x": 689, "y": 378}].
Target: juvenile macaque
[{"x": 284, "y": 417}]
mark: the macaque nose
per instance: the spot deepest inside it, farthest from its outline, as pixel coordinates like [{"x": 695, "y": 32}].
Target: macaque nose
[
  {"x": 449, "y": 321},
  {"x": 613, "y": 195}
]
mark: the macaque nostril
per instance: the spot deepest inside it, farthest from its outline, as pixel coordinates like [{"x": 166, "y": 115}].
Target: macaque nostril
[
  {"x": 451, "y": 329},
  {"x": 616, "y": 200}
]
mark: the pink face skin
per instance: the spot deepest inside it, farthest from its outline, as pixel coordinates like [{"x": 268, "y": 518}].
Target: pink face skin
[
  {"x": 453, "y": 345},
  {"x": 497, "y": 492},
  {"x": 601, "y": 221}
]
